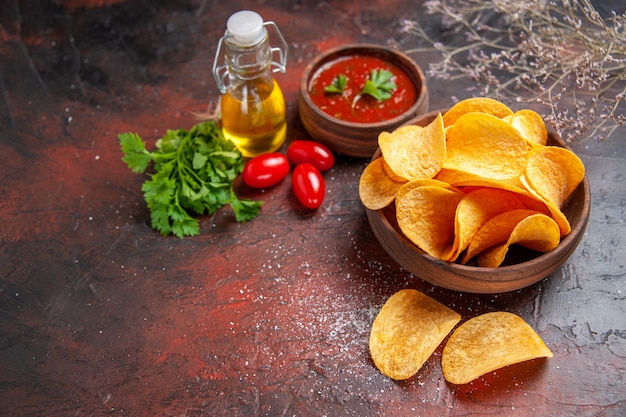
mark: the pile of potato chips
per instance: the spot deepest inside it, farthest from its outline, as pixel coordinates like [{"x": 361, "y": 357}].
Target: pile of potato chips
[
  {"x": 410, "y": 326},
  {"x": 476, "y": 180}
]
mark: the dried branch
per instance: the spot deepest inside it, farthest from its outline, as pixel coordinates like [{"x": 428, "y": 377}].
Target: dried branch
[{"x": 560, "y": 55}]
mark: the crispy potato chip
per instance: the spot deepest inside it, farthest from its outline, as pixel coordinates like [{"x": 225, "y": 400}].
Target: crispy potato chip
[
  {"x": 475, "y": 209},
  {"x": 560, "y": 218},
  {"x": 426, "y": 217},
  {"x": 531, "y": 201},
  {"x": 376, "y": 189},
  {"x": 476, "y": 105},
  {"x": 494, "y": 256},
  {"x": 485, "y": 146},
  {"x": 553, "y": 209},
  {"x": 406, "y": 332},
  {"x": 392, "y": 174},
  {"x": 554, "y": 173},
  {"x": 454, "y": 176},
  {"x": 537, "y": 232},
  {"x": 413, "y": 152},
  {"x": 530, "y": 125},
  {"x": 408, "y": 186},
  {"x": 495, "y": 231},
  {"x": 489, "y": 342}
]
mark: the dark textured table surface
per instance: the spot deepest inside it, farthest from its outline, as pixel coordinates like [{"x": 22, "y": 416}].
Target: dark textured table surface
[{"x": 100, "y": 315}]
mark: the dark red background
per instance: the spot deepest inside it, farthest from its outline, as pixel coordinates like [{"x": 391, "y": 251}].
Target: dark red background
[{"x": 100, "y": 315}]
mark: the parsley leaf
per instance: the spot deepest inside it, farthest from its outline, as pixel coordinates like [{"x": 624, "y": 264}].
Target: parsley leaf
[
  {"x": 338, "y": 85},
  {"x": 380, "y": 86},
  {"x": 193, "y": 174},
  {"x": 135, "y": 154}
]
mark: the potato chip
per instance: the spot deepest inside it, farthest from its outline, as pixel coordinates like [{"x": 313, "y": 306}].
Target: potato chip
[
  {"x": 426, "y": 217},
  {"x": 531, "y": 201},
  {"x": 406, "y": 332},
  {"x": 554, "y": 210},
  {"x": 530, "y": 125},
  {"x": 537, "y": 232},
  {"x": 376, "y": 189},
  {"x": 454, "y": 176},
  {"x": 413, "y": 152},
  {"x": 485, "y": 146},
  {"x": 495, "y": 231},
  {"x": 489, "y": 342},
  {"x": 392, "y": 174},
  {"x": 408, "y": 186},
  {"x": 476, "y": 105},
  {"x": 560, "y": 218},
  {"x": 554, "y": 173},
  {"x": 475, "y": 209}
]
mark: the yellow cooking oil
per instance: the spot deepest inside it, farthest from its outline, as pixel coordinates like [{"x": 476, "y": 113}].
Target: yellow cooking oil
[{"x": 253, "y": 116}]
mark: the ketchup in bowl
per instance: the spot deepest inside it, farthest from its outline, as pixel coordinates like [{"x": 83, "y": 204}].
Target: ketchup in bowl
[{"x": 357, "y": 70}]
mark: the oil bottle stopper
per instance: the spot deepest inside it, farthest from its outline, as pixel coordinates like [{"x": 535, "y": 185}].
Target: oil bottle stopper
[{"x": 246, "y": 28}]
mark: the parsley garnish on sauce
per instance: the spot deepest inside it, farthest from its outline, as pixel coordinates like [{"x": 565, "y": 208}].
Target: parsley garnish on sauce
[
  {"x": 379, "y": 85},
  {"x": 193, "y": 174},
  {"x": 338, "y": 85}
]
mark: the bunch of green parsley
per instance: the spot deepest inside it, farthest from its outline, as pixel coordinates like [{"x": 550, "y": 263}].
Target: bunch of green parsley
[{"x": 193, "y": 173}]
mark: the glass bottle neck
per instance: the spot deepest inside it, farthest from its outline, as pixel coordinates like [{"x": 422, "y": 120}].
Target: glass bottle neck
[{"x": 248, "y": 62}]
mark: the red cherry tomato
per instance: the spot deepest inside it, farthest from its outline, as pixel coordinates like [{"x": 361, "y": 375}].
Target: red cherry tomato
[
  {"x": 314, "y": 153},
  {"x": 265, "y": 170},
  {"x": 308, "y": 185}
]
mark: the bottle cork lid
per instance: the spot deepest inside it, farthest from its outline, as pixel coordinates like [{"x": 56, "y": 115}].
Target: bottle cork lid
[{"x": 246, "y": 28}]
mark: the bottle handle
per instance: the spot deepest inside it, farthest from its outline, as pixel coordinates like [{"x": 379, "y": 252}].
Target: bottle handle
[
  {"x": 220, "y": 72},
  {"x": 281, "y": 65}
]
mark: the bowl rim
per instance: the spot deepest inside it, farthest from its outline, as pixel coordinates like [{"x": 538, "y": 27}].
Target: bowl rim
[
  {"x": 405, "y": 63},
  {"x": 498, "y": 275}
]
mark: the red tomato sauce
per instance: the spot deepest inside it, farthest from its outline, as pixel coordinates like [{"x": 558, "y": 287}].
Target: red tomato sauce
[{"x": 357, "y": 69}]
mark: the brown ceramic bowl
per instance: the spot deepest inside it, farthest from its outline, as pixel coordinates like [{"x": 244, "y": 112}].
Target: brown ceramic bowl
[
  {"x": 351, "y": 138},
  {"x": 522, "y": 267}
]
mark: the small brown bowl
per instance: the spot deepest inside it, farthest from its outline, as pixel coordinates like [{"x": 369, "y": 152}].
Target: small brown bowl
[
  {"x": 522, "y": 268},
  {"x": 351, "y": 138}
]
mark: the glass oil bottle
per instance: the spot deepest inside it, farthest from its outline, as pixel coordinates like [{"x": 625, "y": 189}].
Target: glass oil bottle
[{"x": 252, "y": 104}]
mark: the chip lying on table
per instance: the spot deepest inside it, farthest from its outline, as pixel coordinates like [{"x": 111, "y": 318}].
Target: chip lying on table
[
  {"x": 489, "y": 342},
  {"x": 473, "y": 182},
  {"x": 407, "y": 330}
]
